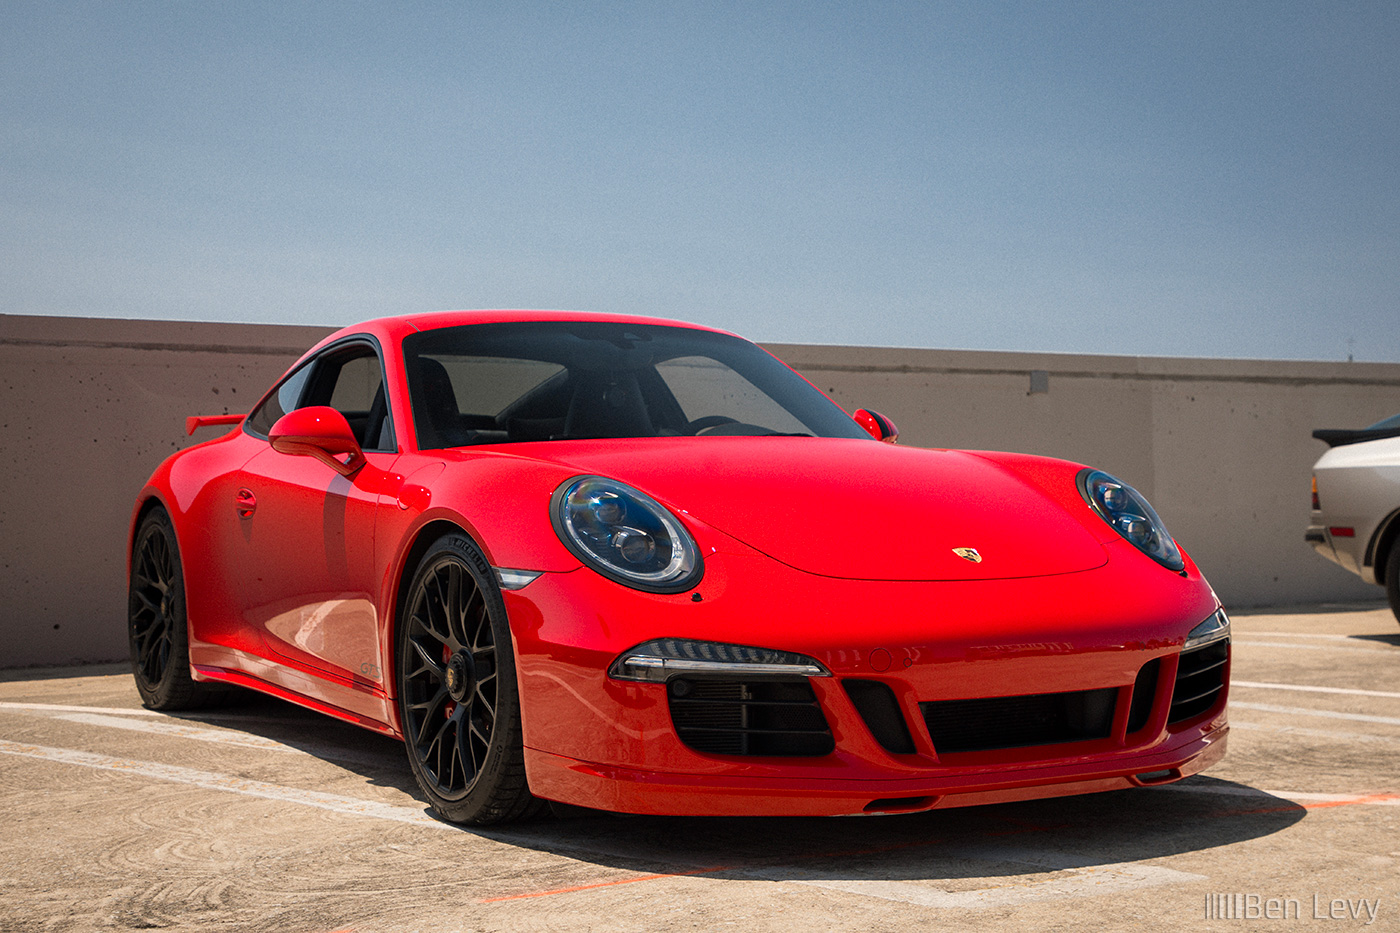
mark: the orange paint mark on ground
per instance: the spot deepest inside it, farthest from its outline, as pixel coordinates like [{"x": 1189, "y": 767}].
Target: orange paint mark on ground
[
  {"x": 1318, "y": 805},
  {"x": 1372, "y": 798}
]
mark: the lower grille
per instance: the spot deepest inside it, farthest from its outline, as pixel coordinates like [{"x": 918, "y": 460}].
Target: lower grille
[
  {"x": 1016, "y": 722},
  {"x": 1200, "y": 679},
  {"x": 726, "y": 717}
]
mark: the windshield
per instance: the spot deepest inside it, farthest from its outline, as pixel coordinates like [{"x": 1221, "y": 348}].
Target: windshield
[{"x": 557, "y": 380}]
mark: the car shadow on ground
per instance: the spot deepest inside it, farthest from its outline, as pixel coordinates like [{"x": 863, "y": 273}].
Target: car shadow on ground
[
  {"x": 1383, "y": 639},
  {"x": 379, "y": 759},
  {"x": 1003, "y": 840}
]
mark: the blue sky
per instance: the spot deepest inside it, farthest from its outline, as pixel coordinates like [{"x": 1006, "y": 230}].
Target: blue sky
[{"x": 1179, "y": 179}]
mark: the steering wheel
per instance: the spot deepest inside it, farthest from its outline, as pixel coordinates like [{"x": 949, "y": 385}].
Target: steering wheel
[{"x": 709, "y": 421}]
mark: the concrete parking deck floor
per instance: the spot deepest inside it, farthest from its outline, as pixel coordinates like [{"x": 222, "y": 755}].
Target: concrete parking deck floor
[{"x": 265, "y": 817}]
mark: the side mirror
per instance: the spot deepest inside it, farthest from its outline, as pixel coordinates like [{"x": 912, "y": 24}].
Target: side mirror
[
  {"x": 321, "y": 432},
  {"x": 877, "y": 425}
]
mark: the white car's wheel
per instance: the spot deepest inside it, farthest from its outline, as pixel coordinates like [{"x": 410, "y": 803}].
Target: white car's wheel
[{"x": 1392, "y": 579}]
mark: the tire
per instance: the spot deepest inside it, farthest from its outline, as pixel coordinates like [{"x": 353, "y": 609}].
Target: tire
[
  {"x": 1392, "y": 578},
  {"x": 459, "y": 703},
  {"x": 157, "y": 625}
]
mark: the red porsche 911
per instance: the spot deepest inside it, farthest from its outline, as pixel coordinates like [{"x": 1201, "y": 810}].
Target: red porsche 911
[{"x": 642, "y": 566}]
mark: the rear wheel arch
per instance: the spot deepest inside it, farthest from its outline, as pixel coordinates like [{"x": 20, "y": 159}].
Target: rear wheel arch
[
  {"x": 148, "y": 505},
  {"x": 158, "y": 620}
]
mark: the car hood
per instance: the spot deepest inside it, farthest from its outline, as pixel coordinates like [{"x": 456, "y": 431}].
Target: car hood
[{"x": 853, "y": 509}]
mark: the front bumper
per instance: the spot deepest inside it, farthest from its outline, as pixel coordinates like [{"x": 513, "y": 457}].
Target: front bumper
[
  {"x": 609, "y": 744},
  {"x": 626, "y": 790}
]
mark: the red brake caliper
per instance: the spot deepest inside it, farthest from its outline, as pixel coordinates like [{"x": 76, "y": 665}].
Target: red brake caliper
[{"x": 451, "y": 706}]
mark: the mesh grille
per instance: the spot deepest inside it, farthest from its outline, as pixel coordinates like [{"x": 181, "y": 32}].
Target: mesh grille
[
  {"x": 727, "y": 717},
  {"x": 1017, "y": 722},
  {"x": 1200, "y": 681}
]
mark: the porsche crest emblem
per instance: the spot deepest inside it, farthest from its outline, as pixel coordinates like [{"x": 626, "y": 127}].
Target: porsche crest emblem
[{"x": 968, "y": 553}]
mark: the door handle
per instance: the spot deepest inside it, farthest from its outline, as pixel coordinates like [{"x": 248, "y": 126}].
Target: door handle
[{"x": 244, "y": 503}]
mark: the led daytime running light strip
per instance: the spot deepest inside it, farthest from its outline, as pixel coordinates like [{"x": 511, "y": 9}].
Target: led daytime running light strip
[
  {"x": 648, "y": 663},
  {"x": 658, "y": 660},
  {"x": 1216, "y": 628}
]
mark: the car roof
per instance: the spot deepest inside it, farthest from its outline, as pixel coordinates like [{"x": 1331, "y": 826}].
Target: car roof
[{"x": 394, "y": 329}]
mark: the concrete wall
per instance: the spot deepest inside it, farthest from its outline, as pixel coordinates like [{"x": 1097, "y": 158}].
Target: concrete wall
[
  {"x": 90, "y": 407},
  {"x": 1222, "y": 447}
]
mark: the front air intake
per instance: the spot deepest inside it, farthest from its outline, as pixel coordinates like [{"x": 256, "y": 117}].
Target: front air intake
[
  {"x": 879, "y": 709},
  {"x": 1200, "y": 680},
  {"x": 1017, "y": 722},
  {"x": 763, "y": 717},
  {"x": 1144, "y": 693}
]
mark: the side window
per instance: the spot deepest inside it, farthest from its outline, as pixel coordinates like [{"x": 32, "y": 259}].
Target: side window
[
  {"x": 356, "y": 386},
  {"x": 285, "y": 399},
  {"x": 348, "y": 379},
  {"x": 351, "y": 381}
]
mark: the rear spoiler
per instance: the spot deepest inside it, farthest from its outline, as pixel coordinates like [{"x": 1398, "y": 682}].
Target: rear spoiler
[
  {"x": 195, "y": 422},
  {"x": 1338, "y": 437}
]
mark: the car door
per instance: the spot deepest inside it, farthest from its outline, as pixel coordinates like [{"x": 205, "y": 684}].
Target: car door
[{"x": 304, "y": 541}]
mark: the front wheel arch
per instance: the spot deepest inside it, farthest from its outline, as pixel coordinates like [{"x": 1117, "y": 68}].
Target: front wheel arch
[
  {"x": 457, "y": 684},
  {"x": 423, "y": 539}
]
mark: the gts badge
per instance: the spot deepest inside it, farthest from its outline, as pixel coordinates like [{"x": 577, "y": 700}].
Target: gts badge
[{"x": 968, "y": 554}]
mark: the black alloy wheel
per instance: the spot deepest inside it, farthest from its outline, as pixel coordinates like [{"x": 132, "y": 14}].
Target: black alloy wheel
[
  {"x": 157, "y": 626},
  {"x": 458, "y": 701}
]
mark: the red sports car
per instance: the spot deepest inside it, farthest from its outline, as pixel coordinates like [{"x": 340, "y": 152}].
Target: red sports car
[{"x": 643, "y": 566}]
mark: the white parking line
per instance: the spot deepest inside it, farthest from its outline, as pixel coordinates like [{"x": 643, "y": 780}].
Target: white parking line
[
  {"x": 1358, "y": 693},
  {"x": 175, "y": 728},
  {"x": 1330, "y": 734},
  {"x": 178, "y": 731},
  {"x": 215, "y": 715},
  {"x": 226, "y": 782},
  {"x": 1321, "y": 713},
  {"x": 56, "y": 707},
  {"x": 1293, "y": 646},
  {"x": 1306, "y": 635}
]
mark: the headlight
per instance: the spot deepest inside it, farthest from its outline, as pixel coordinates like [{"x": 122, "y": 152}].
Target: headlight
[
  {"x": 1127, "y": 511},
  {"x": 625, "y": 535},
  {"x": 658, "y": 659},
  {"x": 1214, "y": 629}
]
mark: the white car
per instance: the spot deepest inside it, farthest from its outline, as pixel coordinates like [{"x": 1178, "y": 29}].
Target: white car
[{"x": 1356, "y": 503}]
